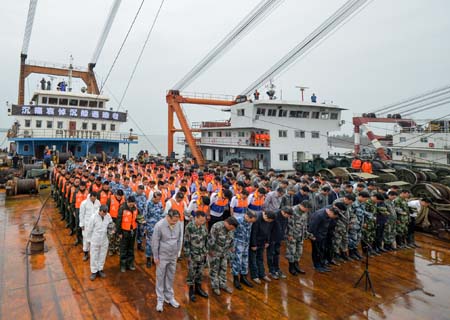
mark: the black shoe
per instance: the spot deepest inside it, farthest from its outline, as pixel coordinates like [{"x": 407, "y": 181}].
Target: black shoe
[
  {"x": 236, "y": 283},
  {"x": 67, "y": 225},
  {"x": 101, "y": 274},
  {"x": 93, "y": 276},
  {"x": 297, "y": 268},
  {"x": 86, "y": 256},
  {"x": 292, "y": 269},
  {"x": 149, "y": 262},
  {"x": 320, "y": 269},
  {"x": 191, "y": 294},
  {"x": 245, "y": 281},
  {"x": 72, "y": 232},
  {"x": 199, "y": 291}
]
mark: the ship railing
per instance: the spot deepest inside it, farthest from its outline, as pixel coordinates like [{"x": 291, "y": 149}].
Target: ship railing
[
  {"x": 209, "y": 96},
  {"x": 211, "y": 124},
  {"x": 55, "y": 65},
  {"x": 182, "y": 140},
  {"x": 74, "y": 134},
  {"x": 230, "y": 141}
]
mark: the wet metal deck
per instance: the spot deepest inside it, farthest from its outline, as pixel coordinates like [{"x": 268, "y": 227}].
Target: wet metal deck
[{"x": 409, "y": 284}]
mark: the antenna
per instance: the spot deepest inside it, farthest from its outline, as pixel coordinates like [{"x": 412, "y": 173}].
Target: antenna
[
  {"x": 70, "y": 73},
  {"x": 302, "y": 90}
]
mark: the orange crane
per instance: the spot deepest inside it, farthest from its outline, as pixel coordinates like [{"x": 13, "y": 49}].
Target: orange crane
[
  {"x": 87, "y": 75},
  {"x": 174, "y": 100}
]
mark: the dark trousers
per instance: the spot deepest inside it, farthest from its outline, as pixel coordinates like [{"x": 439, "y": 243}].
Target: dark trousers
[
  {"x": 256, "y": 263},
  {"x": 379, "y": 234},
  {"x": 127, "y": 248},
  {"x": 411, "y": 226},
  {"x": 317, "y": 252},
  {"x": 327, "y": 248},
  {"x": 77, "y": 228},
  {"x": 273, "y": 257},
  {"x": 213, "y": 220}
]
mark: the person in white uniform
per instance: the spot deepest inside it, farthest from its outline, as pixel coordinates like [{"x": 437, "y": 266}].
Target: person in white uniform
[
  {"x": 97, "y": 232},
  {"x": 88, "y": 208}
]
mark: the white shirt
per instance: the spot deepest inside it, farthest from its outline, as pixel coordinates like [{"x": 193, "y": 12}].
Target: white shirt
[
  {"x": 415, "y": 204},
  {"x": 97, "y": 229},
  {"x": 87, "y": 209}
]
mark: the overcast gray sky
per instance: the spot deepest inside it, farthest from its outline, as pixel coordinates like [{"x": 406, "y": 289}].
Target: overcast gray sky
[{"x": 389, "y": 51}]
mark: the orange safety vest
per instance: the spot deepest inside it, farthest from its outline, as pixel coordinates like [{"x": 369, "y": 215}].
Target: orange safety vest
[
  {"x": 80, "y": 197},
  {"x": 72, "y": 191},
  {"x": 257, "y": 202},
  {"x": 129, "y": 220},
  {"x": 104, "y": 196},
  {"x": 179, "y": 207},
  {"x": 163, "y": 198},
  {"x": 202, "y": 207},
  {"x": 96, "y": 188},
  {"x": 114, "y": 206},
  {"x": 356, "y": 164},
  {"x": 366, "y": 167}
]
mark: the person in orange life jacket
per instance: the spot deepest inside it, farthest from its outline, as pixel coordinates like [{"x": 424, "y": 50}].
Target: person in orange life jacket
[
  {"x": 183, "y": 190},
  {"x": 115, "y": 202},
  {"x": 219, "y": 204},
  {"x": 259, "y": 241},
  {"x": 71, "y": 197},
  {"x": 105, "y": 194},
  {"x": 126, "y": 225},
  {"x": 201, "y": 204},
  {"x": 141, "y": 201},
  {"x": 199, "y": 193},
  {"x": 366, "y": 167},
  {"x": 88, "y": 208},
  {"x": 256, "y": 201},
  {"x": 356, "y": 164},
  {"x": 197, "y": 184},
  {"x": 179, "y": 205},
  {"x": 97, "y": 231},
  {"x": 214, "y": 185},
  {"x": 80, "y": 195},
  {"x": 239, "y": 204},
  {"x": 172, "y": 186}
]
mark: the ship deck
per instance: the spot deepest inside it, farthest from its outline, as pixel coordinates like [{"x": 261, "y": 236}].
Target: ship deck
[{"x": 409, "y": 284}]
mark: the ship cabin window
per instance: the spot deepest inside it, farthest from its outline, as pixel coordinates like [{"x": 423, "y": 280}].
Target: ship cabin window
[
  {"x": 316, "y": 156},
  {"x": 38, "y": 123},
  {"x": 26, "y": 147},
  {"x": 100, "y": 104},
  {"x": 424, "y": 139},
  {"x": 227, "y": 133},
  {"x": 218, "y": 133},
  {"x": 52, "y": 100},
  {"x": 315, "y": 134},
  {"x": 103, "y": 126},
  {"x": 83, "y": 103},
  {"x": 210, "y": 134},
  {"x": 93, "y": 104},
  {"x": 282, "y": 133},
  {"x": 84, "y": 126},
  {"x": 241, "y": 134},
  {"x": 27, "y": 123},
  {"x": 241, "y": 112},
  {"x": 402, "y": 139},
  {"x": 113, "y": 127},
  {"x": 44, "y": 100},
  {"x": 283, "y": 157},
  {"x": 73, "y": 102},
  {"x": 64, "y": 102},
  {"x": 261, "y": 111},
  {"x": 315, "y": 115},
  {"x": 298, "y": 114},
  {"x": 204, "y": 134},
  {"x": 324, "y": 116},
  {"x": 282, "y": 113},
  {"x": 398, "y": 153},
  {"x": 299, "y": 134},
  {"x": 334, "y": 116},
  {"x": 59, "y": 125},
  {"x": 422, "y": 155},
  {"x": 272, "y": 113},
  {"x": 49, "y": 124},
  {"x": 94, "y": 126}
]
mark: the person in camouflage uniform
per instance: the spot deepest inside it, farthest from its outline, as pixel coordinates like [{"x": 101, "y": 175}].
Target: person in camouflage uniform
[
  {"x": 340, "y": 237},
  {"x": 141, "y": 201},
  {"x": 152, "y": 214},
  {"x": 220, "y": 243},
  {"x": 297, "y": 232},
  {"x": 381, "y": 215},
  {"x": 368, "y": 226},
  {"x": 390, "y": 227},
  {"x": 402, "y": 209},
  {"x": 195, "y": 250},
  {"x": 239, "y": 265},
  {"x": 356, "y": 224}
]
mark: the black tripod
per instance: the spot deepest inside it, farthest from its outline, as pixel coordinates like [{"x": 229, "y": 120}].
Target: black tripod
[{"x": 366, "y": 273}]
